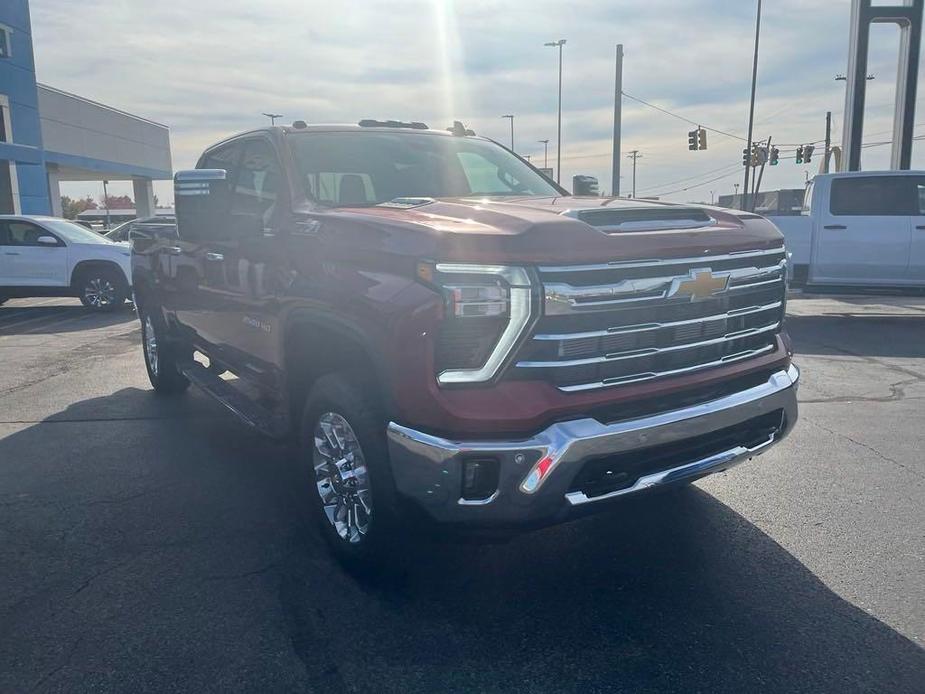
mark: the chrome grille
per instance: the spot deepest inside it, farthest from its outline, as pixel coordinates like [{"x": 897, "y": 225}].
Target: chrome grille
[{"x": 624, "y": 322}]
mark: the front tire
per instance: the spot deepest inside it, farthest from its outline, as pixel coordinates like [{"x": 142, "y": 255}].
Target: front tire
[
  {"x": 101, "y": 288},
  {"x": 161, "y": 356},
  {"x": 344, "y": 456}
]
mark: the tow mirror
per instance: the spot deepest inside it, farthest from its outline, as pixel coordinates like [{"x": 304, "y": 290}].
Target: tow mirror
[
  {"x": 202, "y": 201},
  {"x": 47, "y": 241}
]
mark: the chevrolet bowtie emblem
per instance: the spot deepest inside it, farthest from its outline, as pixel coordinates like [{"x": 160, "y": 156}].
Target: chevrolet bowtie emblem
[{"x": 701, "y": 284}]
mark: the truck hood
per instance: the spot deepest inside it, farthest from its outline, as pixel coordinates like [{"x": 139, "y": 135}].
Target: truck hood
[{"x": 557, "y": 229}]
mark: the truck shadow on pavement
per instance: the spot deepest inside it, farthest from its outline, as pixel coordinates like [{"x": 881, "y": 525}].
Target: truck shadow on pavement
[
  {"x": 152, "y": 544},
  {"x": 43, "y": 320},
  {"x": 858, "y": 334}
]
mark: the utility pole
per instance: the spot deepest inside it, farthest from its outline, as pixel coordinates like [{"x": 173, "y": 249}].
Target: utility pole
[
  {"x": 751, "y": 108},
  {"x": 512, "y": 129},
  {"x": 273, "y": 117},
  {"x": 617, "y": 121},
  {"x": 559, "y": 43},
  {"x": 828, "y": 142},
  {"x": 545, "y": 144},
  {"x": 634, "y": 155}
]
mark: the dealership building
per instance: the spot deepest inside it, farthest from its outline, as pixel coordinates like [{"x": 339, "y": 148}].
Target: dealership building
[{"x": 48, "y": 136}]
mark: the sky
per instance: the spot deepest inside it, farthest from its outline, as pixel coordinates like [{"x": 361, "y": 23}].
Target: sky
[{"x": 210, "y": 68}]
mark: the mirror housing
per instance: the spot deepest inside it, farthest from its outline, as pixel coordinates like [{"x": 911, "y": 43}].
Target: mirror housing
[
  {"x": 203, "y": 203},
  {"x": 47, "y": 240}
]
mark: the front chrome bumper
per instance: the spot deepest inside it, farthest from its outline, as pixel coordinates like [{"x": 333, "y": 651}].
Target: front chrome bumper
[{"x": 536, "y": 473}]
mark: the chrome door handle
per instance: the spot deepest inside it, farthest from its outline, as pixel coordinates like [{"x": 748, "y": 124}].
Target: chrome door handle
[
  {"x": 173, "y": 250},
  {"x": 920, "y": 226},
  {"x": 11, "y": 253},
  {"x": 215, "y": 257},
  {"x": 834, "y": 226}
]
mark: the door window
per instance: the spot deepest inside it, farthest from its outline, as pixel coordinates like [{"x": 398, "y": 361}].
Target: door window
[
  {"x": 881, "y": 196},
  {"x": 258, "y": 182},
  {"x": 15, "y": 233}
]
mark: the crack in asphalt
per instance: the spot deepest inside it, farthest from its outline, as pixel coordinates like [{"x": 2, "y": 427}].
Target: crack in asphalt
[
  {"x": 865, "y": 446},
  {"x": 897, "y": 393},
  {"x": 232, "y": 577},
  {"x": 67, "y": 661}
]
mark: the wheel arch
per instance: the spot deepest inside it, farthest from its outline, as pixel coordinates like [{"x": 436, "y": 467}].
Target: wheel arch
[
  {"x": 86, "y": 265},
  {"x": 315, "y": 346}
]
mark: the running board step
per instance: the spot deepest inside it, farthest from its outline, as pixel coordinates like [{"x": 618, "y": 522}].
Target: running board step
[{"x": 251, "y": 412}]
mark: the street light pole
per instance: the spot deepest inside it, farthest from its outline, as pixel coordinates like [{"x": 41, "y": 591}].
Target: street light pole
[
  {"x": 273, "y": 117},
  {"x": 512, "y": 129},
  {"x": 559, "y": 43},
  {"x": 545, "y": 153},
  {"x": 634, "y": 155}
]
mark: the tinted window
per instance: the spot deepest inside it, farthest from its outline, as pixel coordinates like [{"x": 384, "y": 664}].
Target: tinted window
[
  {"x": 350, "y": 168},
  {"x": 225, "y": 157},
  {"x": 873, "y": 195},
  {"x": 13, "y": 233},
  {"x": 258, "y": 181}
]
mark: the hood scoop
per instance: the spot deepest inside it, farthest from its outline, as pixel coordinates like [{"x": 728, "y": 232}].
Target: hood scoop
[{"x": 617, "y": 221}]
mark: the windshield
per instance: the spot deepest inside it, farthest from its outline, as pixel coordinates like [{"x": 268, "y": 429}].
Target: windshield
[
  {"x": 368, "y": 168},
  {"x": 74, "y": 233}
]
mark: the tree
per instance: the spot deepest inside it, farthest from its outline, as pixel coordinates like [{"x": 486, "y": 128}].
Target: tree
[
  {"x": 71, "y": 207},
  {"x": 119, "y": 202}
]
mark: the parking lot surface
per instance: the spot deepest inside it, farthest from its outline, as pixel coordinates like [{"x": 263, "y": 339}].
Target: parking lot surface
[{"x": 159, "y": 545}]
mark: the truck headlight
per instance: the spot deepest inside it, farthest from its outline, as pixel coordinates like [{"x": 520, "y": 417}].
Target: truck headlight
[{"x": 488, "y": 308}]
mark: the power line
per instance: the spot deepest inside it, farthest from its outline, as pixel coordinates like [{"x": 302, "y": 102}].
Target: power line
[
  {"x": 680, "y": 117},
  {"x": 695, "y": 176}
]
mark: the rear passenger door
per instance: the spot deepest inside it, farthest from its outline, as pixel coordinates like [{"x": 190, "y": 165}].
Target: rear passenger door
[{"x": 863, "y": 235}]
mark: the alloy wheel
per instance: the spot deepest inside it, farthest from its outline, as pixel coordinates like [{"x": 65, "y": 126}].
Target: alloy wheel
[
  {"x": 342, "y": 478},
  {"x": 150, "y": 345},
  {"x": 99, "y": 292}
]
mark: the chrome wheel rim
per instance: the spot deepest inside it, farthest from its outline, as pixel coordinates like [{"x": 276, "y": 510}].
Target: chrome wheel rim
[
  {"x": 150, "y": 345},
  {"x": 341, "y": 477},
  {"x": 100, "y": 292}
]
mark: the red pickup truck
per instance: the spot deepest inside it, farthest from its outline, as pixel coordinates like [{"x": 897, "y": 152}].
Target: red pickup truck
[{"x": 453, "y": 336}]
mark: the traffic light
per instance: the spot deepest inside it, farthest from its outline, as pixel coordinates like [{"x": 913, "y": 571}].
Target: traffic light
[
  {"x": 775, "y": 155},
  {"x": 692, "y": 139},
  {"x": 761, "y": 155},
  {"x": 808, "y": 153},
  {"x": 746, "y": 156},
  {"x": 701, "y": 138},
  {"x": 799, "y": 159}
]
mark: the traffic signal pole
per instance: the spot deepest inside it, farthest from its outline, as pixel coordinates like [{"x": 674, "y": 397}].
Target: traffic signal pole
[{"x": 761, "y": 174}]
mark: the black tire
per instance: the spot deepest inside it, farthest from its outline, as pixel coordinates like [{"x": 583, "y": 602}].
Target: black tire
[
  {"x": 101, "y": 287},
  {"x": 338, "y": 394},
  {"x": 162, "y": 356}
]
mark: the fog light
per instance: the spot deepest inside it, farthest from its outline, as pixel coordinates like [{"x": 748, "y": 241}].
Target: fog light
[{"x": 479, "y": 479}]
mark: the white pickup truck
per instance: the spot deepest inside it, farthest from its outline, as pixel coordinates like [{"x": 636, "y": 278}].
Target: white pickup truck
[{"x": 864, "y": 228}]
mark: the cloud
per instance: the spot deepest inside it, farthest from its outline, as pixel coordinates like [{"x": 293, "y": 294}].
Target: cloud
[{"x": 210, "y": 68}]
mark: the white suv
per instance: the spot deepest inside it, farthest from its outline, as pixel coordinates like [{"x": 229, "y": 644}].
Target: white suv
[{"x": 47, "y": 256}]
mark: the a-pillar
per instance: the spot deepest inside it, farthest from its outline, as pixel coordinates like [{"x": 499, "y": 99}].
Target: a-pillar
[{"x": 144, "y": 197}]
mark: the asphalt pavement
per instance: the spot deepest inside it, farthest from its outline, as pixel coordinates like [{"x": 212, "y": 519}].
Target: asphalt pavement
[{"x": 152, "y": 545}]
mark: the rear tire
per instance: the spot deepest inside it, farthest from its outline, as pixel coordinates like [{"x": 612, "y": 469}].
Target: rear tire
[
  {"x": 348, "y": 479},
  {"x": 101, "y": 288},
  {"x": 161, "y": 355}
]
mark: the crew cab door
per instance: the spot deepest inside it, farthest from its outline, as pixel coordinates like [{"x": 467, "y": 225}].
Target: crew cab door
[
  {"x": 250, "y": 265},
  {"x": 190, "y": 267},
  {"x": 28, "y": 263},
  {"x": 863, "y": 235}
]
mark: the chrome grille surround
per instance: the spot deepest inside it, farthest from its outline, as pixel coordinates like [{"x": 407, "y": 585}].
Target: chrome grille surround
[{"x": 615, "y": 323}]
